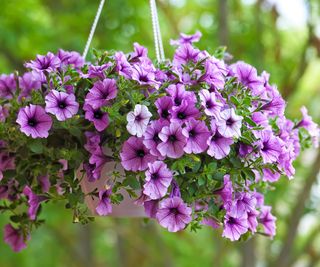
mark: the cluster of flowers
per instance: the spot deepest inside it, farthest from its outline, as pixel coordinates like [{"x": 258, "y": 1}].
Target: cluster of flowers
[{"x": 197, "y": 138}]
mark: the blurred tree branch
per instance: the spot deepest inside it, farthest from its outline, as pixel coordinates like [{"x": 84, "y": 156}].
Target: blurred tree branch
[{"x": 223, "y": 29}]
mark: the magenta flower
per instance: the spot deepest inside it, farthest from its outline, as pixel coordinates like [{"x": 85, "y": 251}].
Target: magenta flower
[
  {"x": 27, "y": 83},
  {"x": 33, "y": 202},
  {"x": 8, "y": 86},
  {"x": 235, "y": 225},
  {"x": 139, "y": 51},
  {"x": 164, "y": 105},
  {"x": 61, "y": 104},
  {"x": 310, "y": 126},
  {"x": 187, "y": 39},
  {"x": 226, "y": 192},
  {"x": 184, "y": 54},
  {"x": 184, "y": 112},
  {"x": 247, "y": 75},
  {"x": 197, "y": 135},
  {"x": 211, "y": 106},
  {"x": 104, "y": 206},
  {"x": 269, "y": 146},
  {"x": 151, "y": 208},
  {"x": 173, "y": 214},
  {"x": 99, "y": 118},
  {"x": 47, "y": 63},
  {"x": 44, "y": 182},
  {"x": 179, "y": 93},
  {"x": 268, "y": 221},
  {"x": 34, "y": 121},
  {"x": 229, "y": 124},
  {"x": 213, "y": 75},
  {"x": 123, "y": 67},
  {"x": 151, "y": 136},
  {"x": 97, "y": 71},
  {"x": 253, "y": 220},
  {"x": 4, "y": 112},
  {"x": 70, "y": 58},
  {"x": 158, "y": 179},
  {"x": 93, "y": 142},
  {"x": 144, "y": 73},
  {"x": 245, "y": 202},
  {"x": 219, "y": 146},
  {"x": 138, "y": 120},
  {"x": 134, "y": 155},
  {"x": 101, "y": 93},
  {"x": 173, "y": 141},
  {"x": 14, "y": 238}
]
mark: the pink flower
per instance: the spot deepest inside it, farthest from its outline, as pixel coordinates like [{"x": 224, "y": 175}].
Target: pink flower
[
  {"x": 211, "y": 106},
  {"x": 138, "y": 120},
  {"x": 14, "y": 237},
  {"x": 235, "y": 225},
  {"x": 104, "y": 206}
]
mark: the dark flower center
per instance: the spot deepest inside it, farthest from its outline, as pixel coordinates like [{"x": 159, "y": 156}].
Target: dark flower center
[
  {"x": 140, "y": 153},
  {"x": 138, "y": 118},
  {"x": 172, "y": 138},
  {"x": 175, "y": 211},
  {"x": 156, "y": 138},
  {"x": 32, "y": 122},
  {"x": 97, "y": 114},
  {"x": 177, "y": 101},
  {"x": 232, "y": 220},
  {"x": 181, "y": 115},
  {"x": 144, "y": 78},
  {"x": 192, "y": 133},
  {"x": 154, "y": 176},
  {"x": 265, "y": 146},
  {"x": 165, "y": 113},
  {"x": 229, "y": 122},
  {"x": 209, "y": 104},
  {"x": 62, "y": 105}
]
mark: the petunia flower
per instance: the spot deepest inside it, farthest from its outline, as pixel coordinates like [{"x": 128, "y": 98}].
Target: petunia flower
[
  {"x": 235, "y": 225},
  {"x": 99, "y": 118},
  {"x": 269, "y": 146},
  {"x": 123, "y": 67},
  {"x": 229, "y": 124},
  {"x": 164, "y": 105},
  {"x": 310, "y": 126},
  {"x": 173, "y": 214},
  {"x": 8, "y": 86},
  {"x": 101, "y": 93},
  {"x": 151, "y": 136},
  {"x": 197, "y": 135},
  {"x": 34, "y": 121},
  {"x": 213, "y": 75},
  {"x": 104, "y": 206},
  {"x": 211, "y": 106},
  {"x": 158, "y": 179},
  {"x": 184, "y": 112},
  {"x": 61, "y": 104},
  {"x": 219, "y": 146},
  {"x": 44, "y": 182},
  {"x": 173, "y": 141},
  {"x": 179, "y": 93},
  {"x": 14, "y": 238},
  {"x": 4, "y": 112},
  {"x": 138, "y": 120},
  {"x": 253, "y": 220},
  {"x": 139, "y": 51},
  {"x": 134, "y": 155},
  {"x": 70, "y": 58},
  {"x": 184, "y": 54},
  {"x": 33, "y": 202},
  {"x": 187, "y": 39},
  {"x": 268, "y": 221},
  {"x": 47, "y": 63},
  {"x": 27, "y": 83}
]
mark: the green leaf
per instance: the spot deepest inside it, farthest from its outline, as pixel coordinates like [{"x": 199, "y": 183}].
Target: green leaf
[{"x": 36, "y": 146}]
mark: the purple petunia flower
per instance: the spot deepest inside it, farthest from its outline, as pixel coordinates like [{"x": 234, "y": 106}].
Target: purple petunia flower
[
  {"x": 139, "y": 51},
  {"x": 184, "y": 112},
  {"x": 244, "y": 202},
  {"x": 101, "y": 93},
  {"x": 158, "y": 179},
  {"x": 226, "y": 192},
  {"x": 8, "y": 86},
  {"x": 269, "y": 146},
  {"x": 235, "y": 225},
  {"x": 7, "y": 162},
  {"x": 270, "y": 176},
  {"x": 247, "y": 75},
  {"x": 151, "y": 136},
  {"x": 219, "y": 146},
  {"x": 138, "y": 120},
  {"x": 173, "y": 141},
  {"x": 213, "y": 75},
  {"x": 211, "y": 106},
  {"x": 47, "y": 63},
  {"x": 44, "y": 182},
  {"x": 97, "y": 71},
  {"x": 173, "y": 214},
  {"x": 61, "y": 104},
  {"x": 178, "y": 93},
  {"x": 144, "y": 73},
  {"x": 104, "y": 206},
  {"x": 252, "y": 220},
  {"x": 27, "y": 83},
  {"x": 99, "y": 118},
  {"x": 197, "y": 135},
  {"x": 92, "y": 142},
  {"x": 164, "y": 105},
  {"x": 70, "y": 58},
  {"x": 4, "y": 112},
  {"x": 14, "y": 238},
  {"x": 34, "y": 121},
  {"x": 229, "y": 124},
  {"x": 33, "y": 202},
  {"x": 310, "y": 126},
  {"x": 187, "y": 39},
  {"x": 184, "y": 54},
  {"x": 123, "y": 67},
  {"x": 268, "y": 221},
  {"x": 134, "y": 155}
]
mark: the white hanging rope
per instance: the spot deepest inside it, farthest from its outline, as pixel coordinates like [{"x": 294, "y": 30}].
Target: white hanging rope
[
  {"x": 159, "y": 37},
  {"x": 154, "y": 28},
  {"x": 93, "y": 28}
]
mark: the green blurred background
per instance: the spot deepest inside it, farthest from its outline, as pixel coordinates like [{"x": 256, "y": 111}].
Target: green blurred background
[{"x": 282, "y": 37}]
